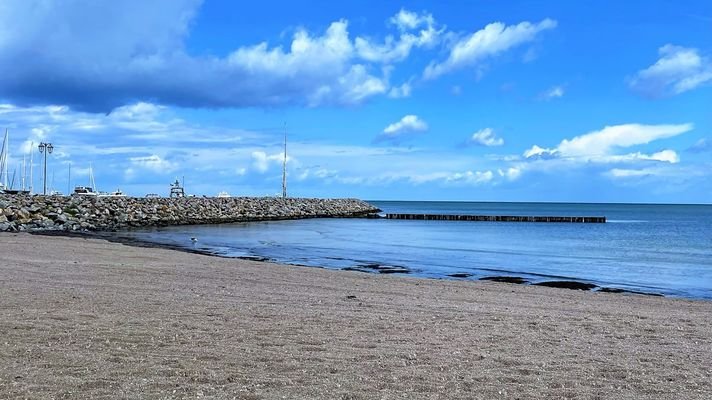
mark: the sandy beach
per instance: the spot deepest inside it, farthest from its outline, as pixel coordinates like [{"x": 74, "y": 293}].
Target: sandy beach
[{"x": 87, "y": 318}]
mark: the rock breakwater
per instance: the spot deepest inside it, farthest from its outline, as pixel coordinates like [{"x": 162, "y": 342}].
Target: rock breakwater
[{"x": 72, "y": 213}]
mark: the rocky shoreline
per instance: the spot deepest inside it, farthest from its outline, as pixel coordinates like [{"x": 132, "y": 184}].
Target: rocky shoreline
[{"x": 89, "y": 213}]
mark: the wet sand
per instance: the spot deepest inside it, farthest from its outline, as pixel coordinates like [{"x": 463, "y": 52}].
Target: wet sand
[{"x": 86, "y": 318}]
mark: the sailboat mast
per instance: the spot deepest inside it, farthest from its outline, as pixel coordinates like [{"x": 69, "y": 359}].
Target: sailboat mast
[
  {"x": 284, "y": 165},
  {"x": 91, "y": 178},
  {"x": 3, "y": 160},
  {"x": 24, "y": 172},
  {"x": 32, "y": 146}
]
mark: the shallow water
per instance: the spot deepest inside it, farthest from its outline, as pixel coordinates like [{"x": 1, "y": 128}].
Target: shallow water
[{"x": 652, "y": 248}]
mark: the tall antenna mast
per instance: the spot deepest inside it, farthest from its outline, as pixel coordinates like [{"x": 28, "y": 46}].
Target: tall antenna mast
[{"x": 284, "y": 165}]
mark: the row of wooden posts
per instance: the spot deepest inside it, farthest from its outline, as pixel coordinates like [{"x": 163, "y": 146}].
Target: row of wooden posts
[{"x": 497, "y": 218}]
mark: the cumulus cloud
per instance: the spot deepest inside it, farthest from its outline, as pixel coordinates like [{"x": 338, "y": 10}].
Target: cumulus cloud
[
  {"x": 678, "y": 70},
  {"x": 143, "y": 146},
  {"x": 107, "y": 54},
  {"x": 262, "y": 161},
  {"x": 601, "y": 142},
  {"x": 407, "y": 125},
  {"x": 486, "y": 137},
  {"x": 407, "y": 20},
  {"x": 490, "y": 41},
  {"x": 599, "y": 146},
  {"x": 398, "y": 49}
]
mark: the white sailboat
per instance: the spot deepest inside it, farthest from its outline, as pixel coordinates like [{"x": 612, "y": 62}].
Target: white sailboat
[
  {"x": 5, "y": 171},
  {"x": 92, "y": 190},
  {"x": 87, "y": 190}
]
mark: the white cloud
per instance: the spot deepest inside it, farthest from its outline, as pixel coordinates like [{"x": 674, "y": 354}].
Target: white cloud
[
  {"x": 539, "y": 152},
  {"x": 629, "y": 173},
  {"x": 668, "y": 156},
  {"x": 486, "y": 137},
  {"x": 665, "y": 156},
  {"x": 318, "y": 173},
  {"x": 154, "y": 163},
  {"x": 262, "y": 162},
  {"x": 674, "y": 174},
  {"x": 143, "y": 146},
  {"x": 408, "y": 124},
  {"x": 141, "y": 54},
  {"x": 598, "y": 149},
  {"x": 678, "y": 70},
  {"x": 490, "y": 41},
  {"x": 401, "y": 91},
  {"x": 600, "y": 144},
  {"x": 603, "y": 141},
  {"x": 447, "y": 178},
  {"x": 320, "y": 68},
  {"x": 397, "y": 49},
  {"x": 470, "y": 177},
  {"x": 552, "y": 93},
  {"x": 407, "y": 20},
  {"x": 512, "y": 173}
]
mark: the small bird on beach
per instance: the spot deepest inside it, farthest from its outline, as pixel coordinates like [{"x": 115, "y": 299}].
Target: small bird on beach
[{"x": 194, "y": 239}]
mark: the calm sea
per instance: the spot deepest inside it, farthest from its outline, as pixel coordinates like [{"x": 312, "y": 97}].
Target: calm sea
[{"x": 652, "y": 248}]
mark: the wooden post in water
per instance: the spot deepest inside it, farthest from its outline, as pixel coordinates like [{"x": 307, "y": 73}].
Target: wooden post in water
[{"x": 497, "y": 218}]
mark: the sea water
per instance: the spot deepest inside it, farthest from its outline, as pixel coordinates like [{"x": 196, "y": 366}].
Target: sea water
[{"x": 663, "y": 249}]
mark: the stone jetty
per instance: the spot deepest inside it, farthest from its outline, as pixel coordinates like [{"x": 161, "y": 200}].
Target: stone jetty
[{"x": 89, "y": 213}]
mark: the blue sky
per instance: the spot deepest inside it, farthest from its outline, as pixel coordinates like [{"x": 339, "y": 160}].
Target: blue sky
[{"x": 450, "y": 100}]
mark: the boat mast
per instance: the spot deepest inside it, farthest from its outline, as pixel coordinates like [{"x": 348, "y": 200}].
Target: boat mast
[
  {"x": 24, "y": 172},
  {"x": 32, "y": 146},
  {"x": 91, "y": 178},
  {"x": 3, "y": 160},
  {"x": 284, "y": 165}
]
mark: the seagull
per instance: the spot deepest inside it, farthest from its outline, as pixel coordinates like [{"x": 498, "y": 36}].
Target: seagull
[{"x": 194, "y": 239}]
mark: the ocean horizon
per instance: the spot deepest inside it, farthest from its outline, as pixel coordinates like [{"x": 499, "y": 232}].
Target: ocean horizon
[{"x": 652, "y": 248}]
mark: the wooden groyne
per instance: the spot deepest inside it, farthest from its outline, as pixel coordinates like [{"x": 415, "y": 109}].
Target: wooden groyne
[{"x": 497, "y": 218}]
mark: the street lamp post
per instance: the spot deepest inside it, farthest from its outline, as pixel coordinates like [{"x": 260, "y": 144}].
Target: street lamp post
[{"x": 45, "y": 148}]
